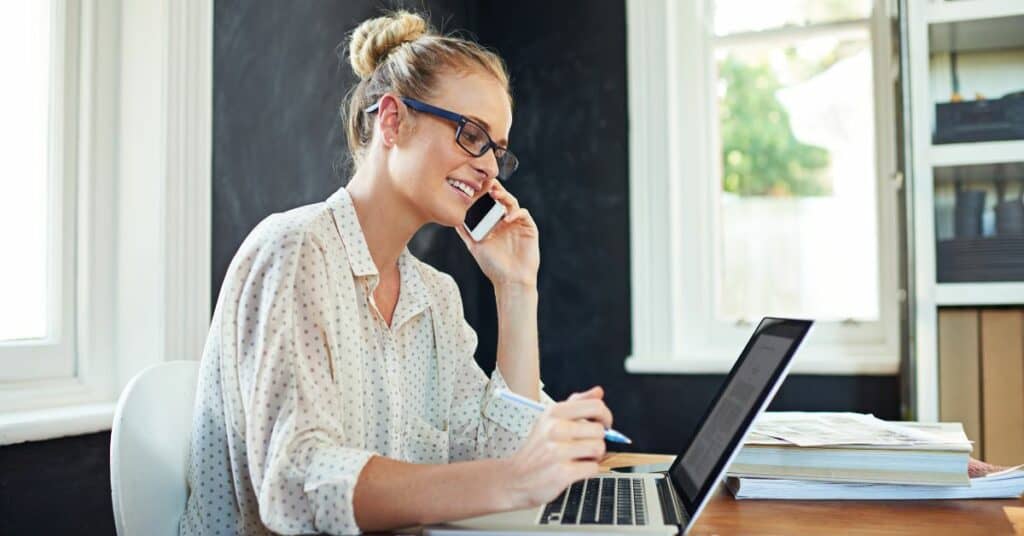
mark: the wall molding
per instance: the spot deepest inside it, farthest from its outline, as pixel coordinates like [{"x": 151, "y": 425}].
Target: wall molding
[
  {"x": 165, "y": 183},
  {"x": 189, "y": 182}
]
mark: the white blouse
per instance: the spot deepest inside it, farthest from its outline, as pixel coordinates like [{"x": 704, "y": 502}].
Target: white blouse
[{"x": 302, "y": 381}]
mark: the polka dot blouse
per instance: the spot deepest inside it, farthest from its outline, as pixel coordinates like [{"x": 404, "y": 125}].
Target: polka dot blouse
[{"x": 302, "y": 381}]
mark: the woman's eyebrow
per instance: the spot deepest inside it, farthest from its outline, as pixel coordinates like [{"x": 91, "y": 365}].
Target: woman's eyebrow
[{"x": 486, "y": 127}]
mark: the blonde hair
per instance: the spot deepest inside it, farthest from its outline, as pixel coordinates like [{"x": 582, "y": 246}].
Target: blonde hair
[{"x": 400, "y": 53}]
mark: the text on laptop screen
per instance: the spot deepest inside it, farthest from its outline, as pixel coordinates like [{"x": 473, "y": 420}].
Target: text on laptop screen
[{"x": 726, "y": 417}]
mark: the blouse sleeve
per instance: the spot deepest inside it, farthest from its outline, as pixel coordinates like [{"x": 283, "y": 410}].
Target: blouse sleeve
[
  {"x": 302, "y": 470},
  {"x": 481, "y": 425}
]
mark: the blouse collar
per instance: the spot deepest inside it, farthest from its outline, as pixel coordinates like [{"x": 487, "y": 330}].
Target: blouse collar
[{"x": 412, "y": 294}]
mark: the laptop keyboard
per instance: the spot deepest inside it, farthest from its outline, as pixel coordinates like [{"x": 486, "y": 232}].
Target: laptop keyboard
[{"x": 599, "y": 501}]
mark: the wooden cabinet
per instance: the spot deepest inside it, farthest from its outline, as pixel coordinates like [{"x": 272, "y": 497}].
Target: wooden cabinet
[{"x": 981, "y": 379}]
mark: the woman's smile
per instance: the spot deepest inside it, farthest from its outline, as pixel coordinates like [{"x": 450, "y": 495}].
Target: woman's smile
[{"x": 464, "y": 190}]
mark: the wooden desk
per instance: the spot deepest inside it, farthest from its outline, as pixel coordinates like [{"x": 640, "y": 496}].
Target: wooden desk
[{"x": 725, "y": 515}]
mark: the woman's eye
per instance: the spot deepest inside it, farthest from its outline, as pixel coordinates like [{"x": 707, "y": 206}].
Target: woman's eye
[{"x": 473, "y": 136}]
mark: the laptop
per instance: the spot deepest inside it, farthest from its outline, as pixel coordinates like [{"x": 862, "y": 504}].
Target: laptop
[{"x": 669, "y": 502}]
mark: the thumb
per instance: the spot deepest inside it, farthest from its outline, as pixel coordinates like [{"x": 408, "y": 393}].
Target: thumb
[{"x": 594, "y": 392}]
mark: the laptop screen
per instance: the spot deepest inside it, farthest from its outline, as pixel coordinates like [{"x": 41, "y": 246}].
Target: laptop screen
[{"x": 746, "y": 390}]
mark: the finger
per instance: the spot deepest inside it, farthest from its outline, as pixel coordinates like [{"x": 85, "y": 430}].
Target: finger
[
  {"x": 594, "y": 392},
  {"x": 584, "y": 469},
  {"x": 501, "y": 195},
  {"x": 584, "y": 449},
  {"x": 517, "y": 215},
  {"x": 570, "y": 430},
  {"x": 590, "y": 409},
  {"x": 511, "y": 203}
]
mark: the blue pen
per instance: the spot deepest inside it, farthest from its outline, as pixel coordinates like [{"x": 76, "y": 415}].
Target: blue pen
[{"x": 609, "y": 434}]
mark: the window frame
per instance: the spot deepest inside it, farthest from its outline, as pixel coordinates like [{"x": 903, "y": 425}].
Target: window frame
[
  {"x": 143, "y": 161},
  {"x": 53, "y": 355},
  {"x": 88, "y": 231},
  {"x": 672, "y": 220}
]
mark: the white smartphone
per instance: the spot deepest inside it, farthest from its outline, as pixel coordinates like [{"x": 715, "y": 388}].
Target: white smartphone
[{"x": 482, "y": 216}]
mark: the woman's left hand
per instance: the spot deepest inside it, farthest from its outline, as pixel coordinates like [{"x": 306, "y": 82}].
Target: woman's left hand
[{"x": 510, "y": 253}]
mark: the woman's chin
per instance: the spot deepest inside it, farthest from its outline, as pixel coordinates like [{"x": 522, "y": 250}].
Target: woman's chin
[
  {"x": 456, "y": 222},
  {"x": 451, "y": 218},
  {"x": 457, "y": 215}
]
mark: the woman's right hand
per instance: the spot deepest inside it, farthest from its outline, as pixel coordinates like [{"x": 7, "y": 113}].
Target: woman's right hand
[{"x": 565, "y": 445}]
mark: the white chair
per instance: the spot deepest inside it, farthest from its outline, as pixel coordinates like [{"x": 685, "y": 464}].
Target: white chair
[{"x": 149, "y": 444}]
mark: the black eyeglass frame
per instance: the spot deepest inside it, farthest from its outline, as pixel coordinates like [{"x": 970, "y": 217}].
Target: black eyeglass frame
[{"x": 504, "y": 157}]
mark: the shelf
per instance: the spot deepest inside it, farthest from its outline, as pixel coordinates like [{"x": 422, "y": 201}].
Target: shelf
[
  {"x": 979, "y": 293},
  {"x": 976, "y": 35},
  {"x": 967, "y": 25},
  {"x": 939, "y": 12},
  {"x": 932, "y": 29},
  {"x": 1007, "y": 172},
  {"x": 988, "y": 152}
]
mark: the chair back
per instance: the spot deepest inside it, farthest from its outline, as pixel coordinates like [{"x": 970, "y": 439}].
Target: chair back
[{"x": 149, "y": 444}]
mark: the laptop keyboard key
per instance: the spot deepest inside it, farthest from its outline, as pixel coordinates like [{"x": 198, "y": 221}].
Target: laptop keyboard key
[
  {"x": 639, "y": 503},
  {"x": 606, "y": 506},
  {"x": 553, "y": 510},
  {"x": 624, "y": 502},
  {"x": 588, "y": 514},
  {"x": 572, "y": 503}
]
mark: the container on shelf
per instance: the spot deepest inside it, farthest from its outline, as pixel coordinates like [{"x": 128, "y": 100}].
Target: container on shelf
[
  {"x": 976, "y": 70},
  {"x": 980, "y": 120},
  {"x": 979, "y": 223}
]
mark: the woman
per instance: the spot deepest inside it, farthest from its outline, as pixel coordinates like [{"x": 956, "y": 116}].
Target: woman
[{"x": 338, "y": 391}]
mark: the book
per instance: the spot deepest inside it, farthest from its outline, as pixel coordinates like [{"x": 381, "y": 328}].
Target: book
[
  {"x": 1002, "y": 371},
  {"x": 855, "y": 448},
  {"x": 960, "y": 372},
  {"x": 1006, "y": 484}
]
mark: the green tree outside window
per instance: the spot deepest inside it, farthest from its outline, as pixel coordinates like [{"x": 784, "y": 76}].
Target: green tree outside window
[{"x": 760, "y": 154}]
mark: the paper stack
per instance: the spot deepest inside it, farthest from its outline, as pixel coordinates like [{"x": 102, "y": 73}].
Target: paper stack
[
  {"x": 1006, "y": 484},
  {"x": 796, "y": 455}
]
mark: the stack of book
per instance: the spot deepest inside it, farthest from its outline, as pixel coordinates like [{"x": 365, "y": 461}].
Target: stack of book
[{"x": 828, "y": 456}]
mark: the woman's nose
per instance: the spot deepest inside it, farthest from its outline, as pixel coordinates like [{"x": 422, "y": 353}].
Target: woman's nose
[{"x": 487, "y": 164}]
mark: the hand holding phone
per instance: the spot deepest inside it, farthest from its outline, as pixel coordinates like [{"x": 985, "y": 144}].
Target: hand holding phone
[{"x": 503, "y": 238}]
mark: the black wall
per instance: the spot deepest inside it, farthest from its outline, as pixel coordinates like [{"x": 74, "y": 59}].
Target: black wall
[
  {"x": 278, "y": 84},
  {"x": 56, "y": 487},
  {"x": 278, "y": 143},
  {"x": 279, "y": 78},
  {"x": 568, "y": 63}
]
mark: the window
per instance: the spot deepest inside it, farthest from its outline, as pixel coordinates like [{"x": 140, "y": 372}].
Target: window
[
  {"x": 37, "y": 227},
  {"x": 796, "y": 199},
  {"x": 763, "y": 191},
  {"x": 104, "y": 204}
]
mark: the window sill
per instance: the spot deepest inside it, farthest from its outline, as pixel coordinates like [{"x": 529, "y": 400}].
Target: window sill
[
  {"x": 37, "y": 425},
  {"x": 823, "y": 363}
]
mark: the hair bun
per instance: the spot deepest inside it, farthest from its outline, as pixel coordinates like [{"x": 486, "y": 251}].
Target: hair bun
[{"x": 374, "y": 39}]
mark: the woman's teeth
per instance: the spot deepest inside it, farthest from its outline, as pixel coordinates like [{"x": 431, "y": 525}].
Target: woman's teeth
[{"x": 463, "y": 187}]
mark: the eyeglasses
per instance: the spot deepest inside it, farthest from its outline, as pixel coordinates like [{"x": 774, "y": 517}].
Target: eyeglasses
[{"x": 469, "y": 135}]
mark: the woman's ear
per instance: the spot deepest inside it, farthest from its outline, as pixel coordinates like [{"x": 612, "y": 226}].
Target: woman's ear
[{"x": 390, "y": 115}]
